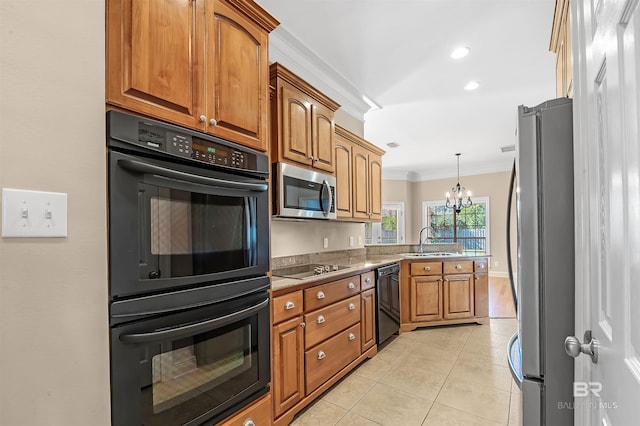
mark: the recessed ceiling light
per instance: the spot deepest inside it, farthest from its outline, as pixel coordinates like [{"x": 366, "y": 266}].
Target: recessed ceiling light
[
  {"x": 472, "y": 85},
  {"x": 460, "y": 52}
]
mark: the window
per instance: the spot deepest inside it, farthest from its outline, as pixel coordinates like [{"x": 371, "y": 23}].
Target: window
[
  {"x": 470, "y": 227},
  {"x": 390, "y": 230}
]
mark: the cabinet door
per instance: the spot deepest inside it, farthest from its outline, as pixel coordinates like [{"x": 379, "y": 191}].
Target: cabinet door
[
  {"x": 237, "y": 89},
  {"x": 360, "y": 183},
  {"x": 375, "y": 187},
  {"x": 288, "y": 365},
  {"x": 322, "y": 126},
  {"x": 426, "y": 298},
  {"x": 481, "y": 295},
  {"x": 342, "y": 160},
  {"x": 368, "y": 319},
  {"x": 296, "y": 125},
  {"x": 458, "y": 296},
  {"x": 155, "y": 58}
]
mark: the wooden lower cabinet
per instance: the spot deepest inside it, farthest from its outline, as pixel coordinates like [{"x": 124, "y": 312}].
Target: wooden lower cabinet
[
  {"x": 257, "y": 414},
  {"x": 288, "y": 358},
  {"x": 312, "y": 351},
  {"x": 331, "y": 356},
  {"x": 426, "y": 298},
  {"x": 438, "y": 292},
  {"x": 458, "y": 296},
  {"x": 368, "y": 322}
]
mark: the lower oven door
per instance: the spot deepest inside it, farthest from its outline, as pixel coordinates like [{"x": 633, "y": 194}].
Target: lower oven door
[{"x": 193, "y": 367}]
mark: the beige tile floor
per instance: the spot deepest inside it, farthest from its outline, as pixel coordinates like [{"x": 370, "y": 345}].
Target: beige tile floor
[{"x": 456, "y": 375}]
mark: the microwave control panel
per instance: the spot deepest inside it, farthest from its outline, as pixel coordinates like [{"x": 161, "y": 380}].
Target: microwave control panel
[{"x": 195, "y": 148}]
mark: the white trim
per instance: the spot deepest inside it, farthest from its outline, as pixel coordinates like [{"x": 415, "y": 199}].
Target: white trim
[
  {"x": 496, "y": 274},
  {"x": 286, "y": 49},
  {"x": 376, "y": 228}
]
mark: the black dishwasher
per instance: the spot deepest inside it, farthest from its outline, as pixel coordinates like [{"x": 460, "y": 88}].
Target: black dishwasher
[{"x": 388, "y": 302}]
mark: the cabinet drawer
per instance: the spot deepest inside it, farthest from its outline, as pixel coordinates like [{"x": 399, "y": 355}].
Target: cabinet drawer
[
  {"x": 287, "y": 306},
  {"x": 461, "y": 267},
  {"x": 426, "y": 268},
  {"x": 480, "y": 265},
  {"x": 258, "y": 414},
  {"x": 368, "y": 280},
  {"x": 331, "y": 356},
  {"x": 327, "y": 321},
  {"x": 326, "y": 294}
]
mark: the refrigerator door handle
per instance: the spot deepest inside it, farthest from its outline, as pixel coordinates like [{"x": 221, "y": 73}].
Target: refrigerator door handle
[
  {"x": 515, "y": 357},
  {"x": 509, "y": 259}
]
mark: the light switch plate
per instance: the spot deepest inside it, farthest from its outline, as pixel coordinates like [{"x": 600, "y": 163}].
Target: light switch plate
[{"x": 33, "y": 213}]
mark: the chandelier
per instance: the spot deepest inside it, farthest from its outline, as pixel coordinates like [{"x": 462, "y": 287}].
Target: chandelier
[{"x": 457, "y": 202}]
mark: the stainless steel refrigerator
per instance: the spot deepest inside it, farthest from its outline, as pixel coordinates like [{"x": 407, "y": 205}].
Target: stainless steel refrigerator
[{"x": 545, "y": 251}]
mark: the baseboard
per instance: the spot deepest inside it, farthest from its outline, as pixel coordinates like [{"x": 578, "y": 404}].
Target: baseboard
[{"x": 498, "y": 274}]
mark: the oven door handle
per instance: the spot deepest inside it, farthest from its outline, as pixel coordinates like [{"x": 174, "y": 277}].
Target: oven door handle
[
  {"x": 139, "y": 167},
  {"x": 192, "y": 329}
]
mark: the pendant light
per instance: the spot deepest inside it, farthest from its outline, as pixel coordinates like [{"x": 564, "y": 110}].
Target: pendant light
[{"x": 455, "y": 198}]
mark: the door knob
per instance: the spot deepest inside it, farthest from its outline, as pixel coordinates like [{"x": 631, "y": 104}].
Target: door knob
[{"x": 573, "y": 347}]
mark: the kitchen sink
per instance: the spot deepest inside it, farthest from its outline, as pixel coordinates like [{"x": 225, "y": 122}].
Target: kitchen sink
[{"x": 427, "y": 255}]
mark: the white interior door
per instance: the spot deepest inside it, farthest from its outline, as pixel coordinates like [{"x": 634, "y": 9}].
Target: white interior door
[{"x": 606, "y": 76}]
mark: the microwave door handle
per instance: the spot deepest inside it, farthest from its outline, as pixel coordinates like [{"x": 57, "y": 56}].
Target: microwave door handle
[
  {"x": 326, "y": 196},
  {"x": 139, "y": 167},
  {"x": 193, "y": 329}
]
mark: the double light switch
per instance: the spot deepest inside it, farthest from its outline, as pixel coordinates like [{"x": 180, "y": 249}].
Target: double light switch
[{"x": 33, "y": 213}]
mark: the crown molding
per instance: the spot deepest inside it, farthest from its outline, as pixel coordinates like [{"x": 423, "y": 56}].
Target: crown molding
[
  {"x": 441, "y": 173},
  {"x": 286, "y": 49}
]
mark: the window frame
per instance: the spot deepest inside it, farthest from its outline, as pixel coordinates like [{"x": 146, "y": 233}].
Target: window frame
[
  {"x": 376, "y": 227},
  {"x": 475, "y": 200}
]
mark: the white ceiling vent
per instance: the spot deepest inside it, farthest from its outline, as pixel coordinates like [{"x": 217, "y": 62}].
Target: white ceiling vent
[{"x": 508, "y": 148}]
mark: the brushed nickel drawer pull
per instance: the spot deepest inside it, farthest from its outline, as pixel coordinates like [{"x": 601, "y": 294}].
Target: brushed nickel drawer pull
[
  {"x": 321, "y": 355},
  {"x": 458, "y": 266},
  {"x": 352, "y": 336},
  {"x": 368, "y": 280},
  {"x": 427, "y": 268},
  {"x": 352, "y": 286},
  {"x": 289, "y": 305},
  {"x": 320, "y": 295},
  {"x": 352, "y": 306},
  {"x": 249, "y": 422},
  {"x": 303, "y": 325},
  {"x": 320, "y": 319},
  {"x": 481, "y": 266}
]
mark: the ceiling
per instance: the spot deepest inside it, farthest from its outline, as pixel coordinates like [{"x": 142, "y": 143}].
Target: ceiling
[{"x": 397, "y": 53}]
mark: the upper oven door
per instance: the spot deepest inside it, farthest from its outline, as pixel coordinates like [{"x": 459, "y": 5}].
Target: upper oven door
[{"x": 173, "y": 225}]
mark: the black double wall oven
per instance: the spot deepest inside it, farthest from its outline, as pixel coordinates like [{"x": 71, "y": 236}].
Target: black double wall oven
[{"x": 188, "y": 262}]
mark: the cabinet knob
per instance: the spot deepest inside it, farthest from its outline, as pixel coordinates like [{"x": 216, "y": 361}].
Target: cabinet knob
[
  {"x": 289, "y": 305},
  {"x": 427, "y": 268},
  {"x": 311, "y": 157},
  {"x": 321, "y": 355},
  {"x": 481, "y": 266},
  {"x": 320, "y": 295},
  {"x": 203, "y": 119},
  {"x": 303, "y": 325},
  {"x": 352, "y": 336},
  {"x": 351, "y": 286},
  {"x": 368, "y": 280},
  {"x": 352, "y": 306},
  {"x": 248, "y": 422},
  {"x": 213, "y": 122},
  {"x": 320, "y": 319},
  {"x": 458, "y": 266}
]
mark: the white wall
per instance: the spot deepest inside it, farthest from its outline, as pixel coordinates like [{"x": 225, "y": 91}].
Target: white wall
[{"x": 54, "y": 367}]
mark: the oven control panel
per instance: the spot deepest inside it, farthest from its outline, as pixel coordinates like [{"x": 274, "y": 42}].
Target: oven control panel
[{"x": 198, "y": 149}]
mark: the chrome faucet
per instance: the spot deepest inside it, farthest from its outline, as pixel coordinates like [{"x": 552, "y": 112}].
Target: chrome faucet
[{"x": 420, "y": 238}]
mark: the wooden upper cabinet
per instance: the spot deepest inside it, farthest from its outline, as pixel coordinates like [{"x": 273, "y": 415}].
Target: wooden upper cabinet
[
  {"x": 561, "y": 45},
  {"x": 302, "y": 122},
  {"x": 198, "y": 63},
  {"x": 155, "y": 58},
  {"x": 342, "y": 158},
  {"x": 358, "y": 177}
]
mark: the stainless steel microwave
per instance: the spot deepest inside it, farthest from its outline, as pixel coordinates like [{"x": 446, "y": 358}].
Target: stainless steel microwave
[{"x": 304, "y": 194}]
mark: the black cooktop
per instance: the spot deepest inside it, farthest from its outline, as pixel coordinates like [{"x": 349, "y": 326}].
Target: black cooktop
[{"x": 305, "y": 271}]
